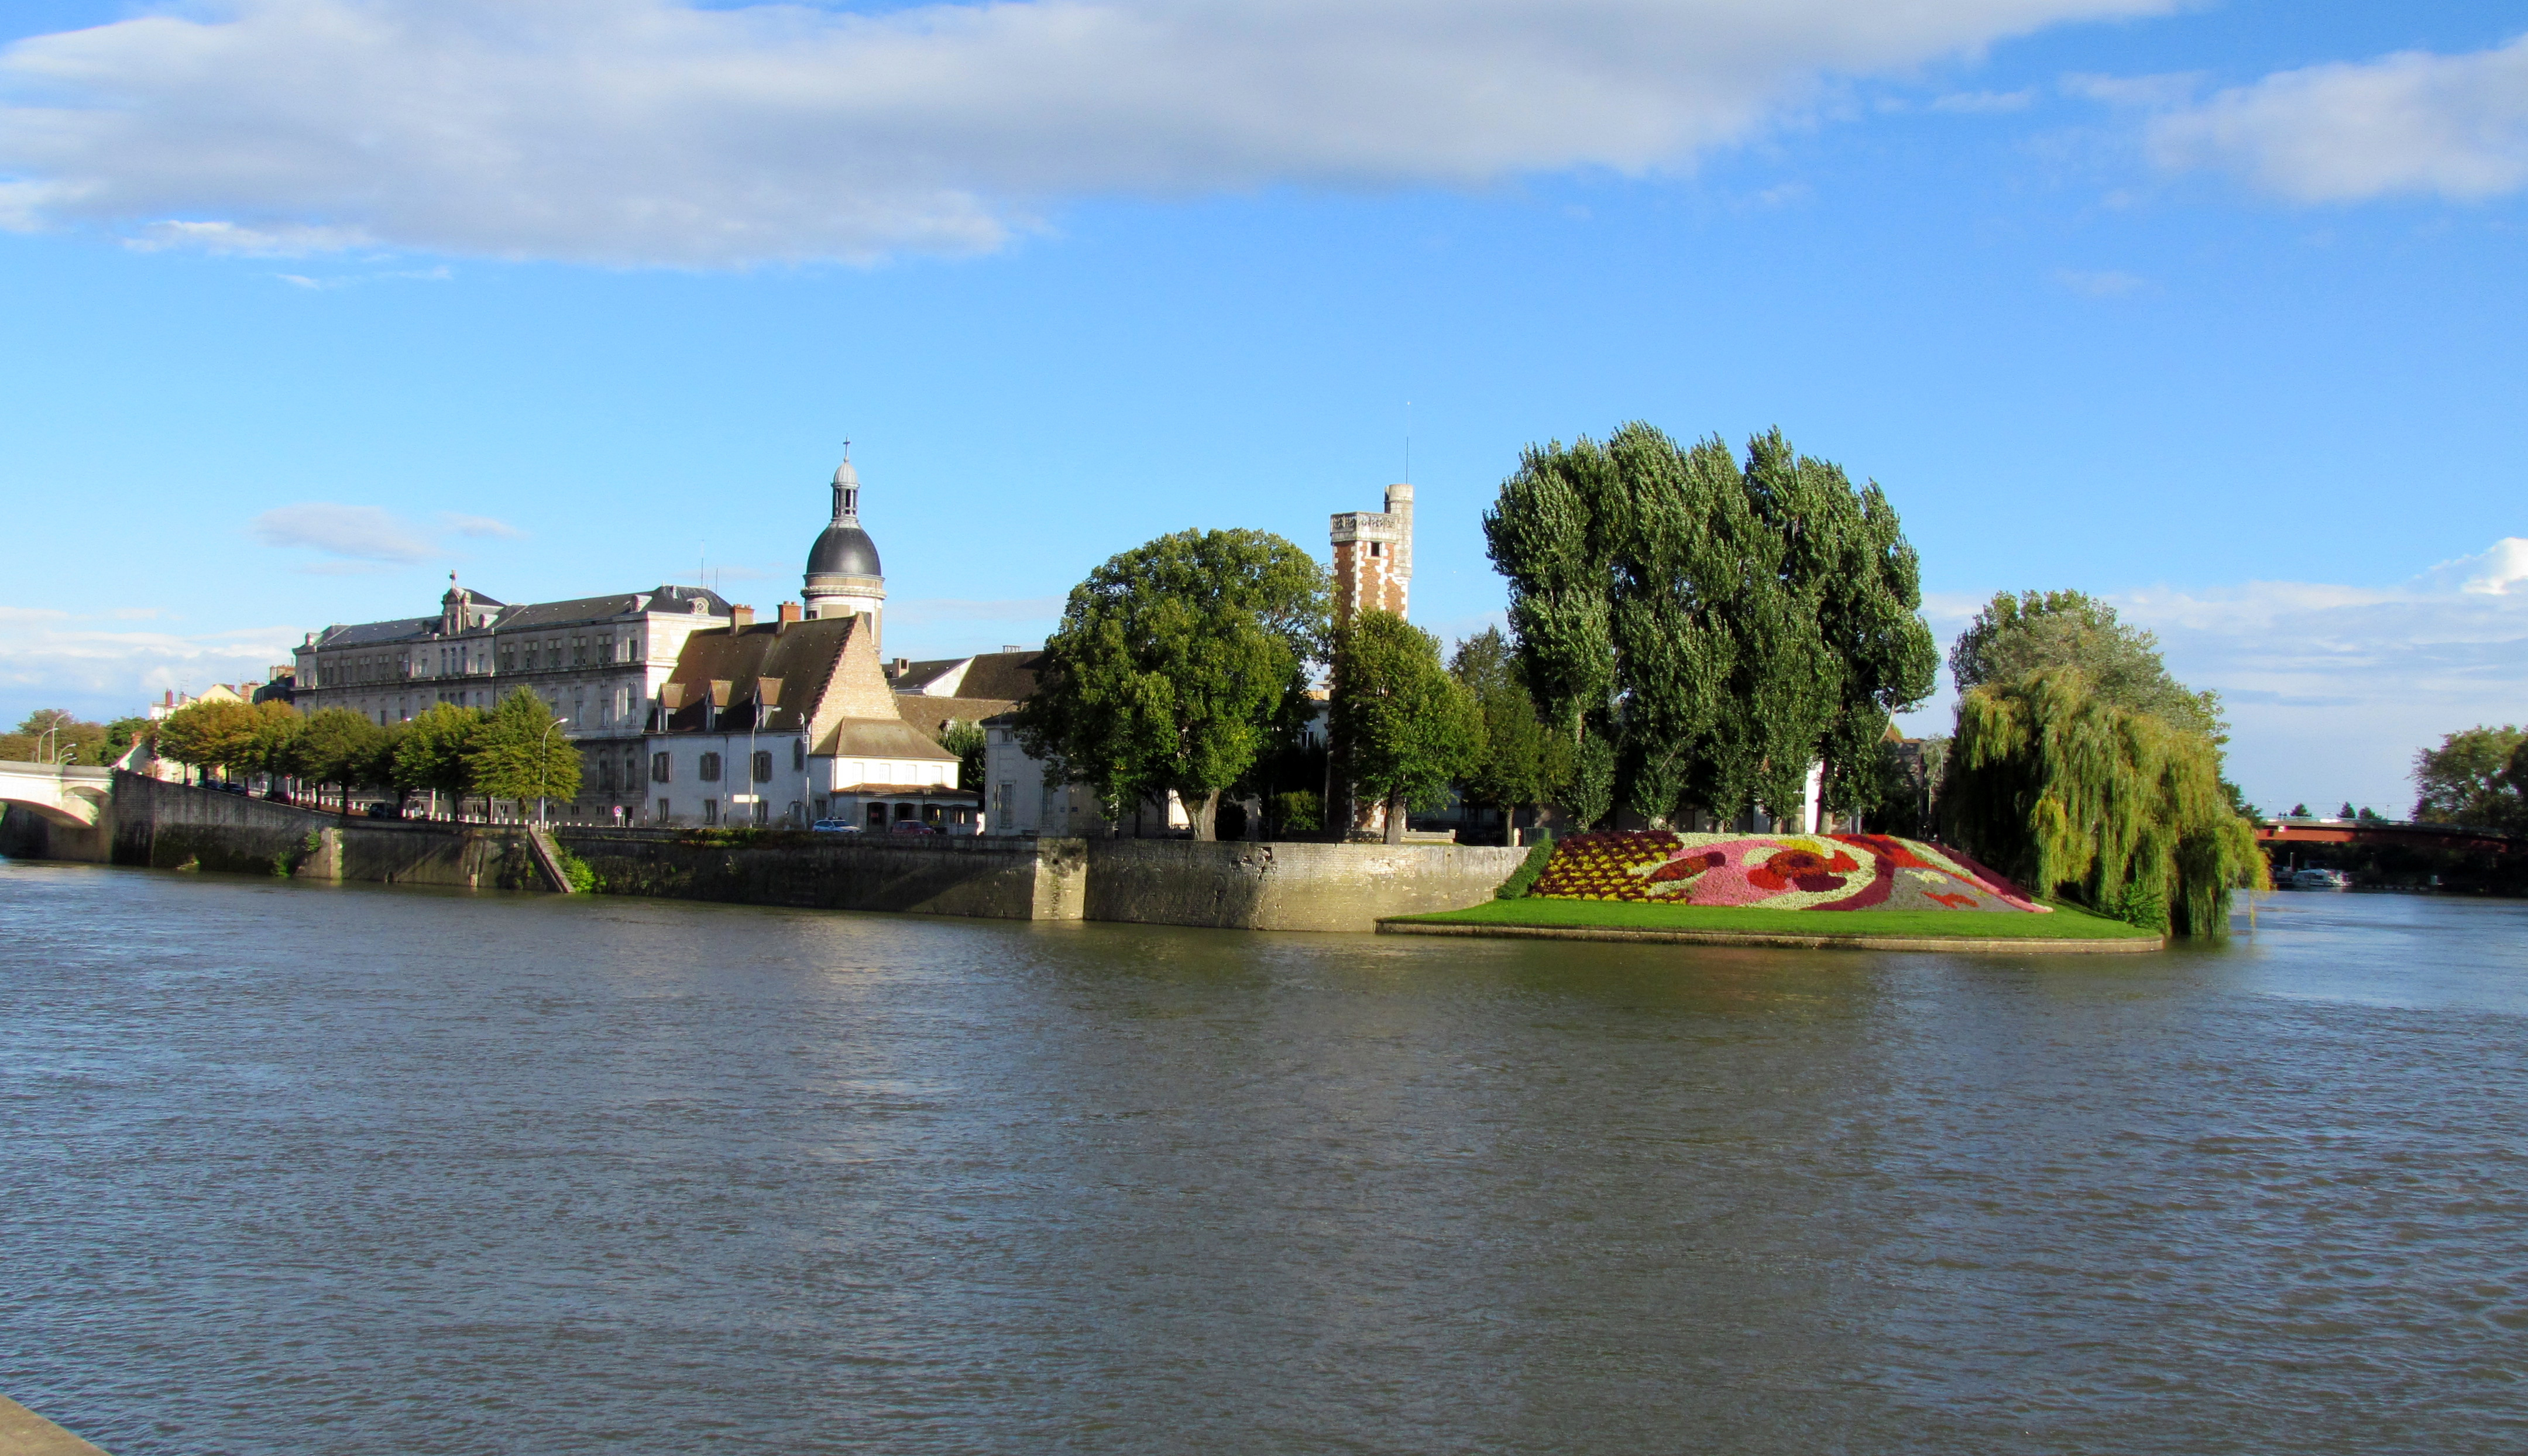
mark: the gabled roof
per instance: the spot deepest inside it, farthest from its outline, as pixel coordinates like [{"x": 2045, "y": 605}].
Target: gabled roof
[
  {"x": 937, "y": 676},
  {"x": 1009, "y": 676},
  {"x": 819, "y": 677},
  {"x": 930, "y": 714}
]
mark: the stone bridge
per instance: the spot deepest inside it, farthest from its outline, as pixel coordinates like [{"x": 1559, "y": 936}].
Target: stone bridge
[{"x": 62, "y": 794}]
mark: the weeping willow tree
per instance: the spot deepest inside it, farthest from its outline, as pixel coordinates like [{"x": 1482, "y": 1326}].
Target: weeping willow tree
[{"x": 2076, "y": 798}]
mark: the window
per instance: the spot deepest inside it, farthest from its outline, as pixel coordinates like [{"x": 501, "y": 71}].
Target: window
[
  {"x": 821, "y": 805},
  {"x": 578, "y": 650},
  {"x": 658, "y": 768},
  {"x": 1000, "y": 818},
  {"x": 508, "y": 658},
  {"x": 877, "y": 816},
  {"x": 663, "y": 814},
  {"x": 709, "y": 772},
  {"x": 764, "y": 765},
  {"x": 798, "y": 755},
  {"x": 711, "y": 811},
  {"x": 763, "y": 813}
]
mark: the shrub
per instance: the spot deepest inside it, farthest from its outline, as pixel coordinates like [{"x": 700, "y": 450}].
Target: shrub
[{"x": 1524, "y": 878}]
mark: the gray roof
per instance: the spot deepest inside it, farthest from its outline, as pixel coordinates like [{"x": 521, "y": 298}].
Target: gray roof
[
  {"x": 843, "y": 551},
  {"x": 538, "y": 615},
  {"x": 374, "y": 634}
]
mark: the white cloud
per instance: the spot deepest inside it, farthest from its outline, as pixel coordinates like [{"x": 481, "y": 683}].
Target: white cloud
[
  {"x": 1977, "y": 102},
  {"x": 352, "y": 533},
  {"x": 482, "y": 526},
  {"x": 654, "y": 131},
  {"x": 2412, "y": 123},
  {"x": 2331, "y": 689},
  {"x": 50, "y": 657}
]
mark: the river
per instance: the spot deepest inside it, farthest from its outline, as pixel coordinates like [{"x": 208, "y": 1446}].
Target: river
[{"x": 347, "y": 1170}]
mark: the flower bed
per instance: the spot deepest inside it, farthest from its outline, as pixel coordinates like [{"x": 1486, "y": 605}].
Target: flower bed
[{"x": 1775, "y": 872}]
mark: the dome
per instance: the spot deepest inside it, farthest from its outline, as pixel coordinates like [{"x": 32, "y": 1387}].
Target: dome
[
  {"x": 843, "y": 551},
  {"x": 846, "y": 477}
]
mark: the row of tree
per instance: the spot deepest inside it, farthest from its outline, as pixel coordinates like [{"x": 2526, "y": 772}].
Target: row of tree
[
  {"x": 513, "y": 751},
  {"x": 2477, "y": 776},
  {"x": 52, "y": 735}
]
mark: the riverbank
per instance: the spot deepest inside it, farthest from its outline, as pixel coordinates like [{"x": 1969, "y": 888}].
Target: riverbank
[{"x": 2065, "y": 931}]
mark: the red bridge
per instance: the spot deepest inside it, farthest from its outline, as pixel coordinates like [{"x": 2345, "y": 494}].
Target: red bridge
[{"x": 2460, "y": 837}]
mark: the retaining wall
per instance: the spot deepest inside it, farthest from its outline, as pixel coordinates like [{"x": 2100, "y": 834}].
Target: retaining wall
[
  {"x": 1285, "y": 886},
  {"x": 1009, "y": 879},
  {"x": 175, "y": 826},
  {"x": 1244, "y": 886}
]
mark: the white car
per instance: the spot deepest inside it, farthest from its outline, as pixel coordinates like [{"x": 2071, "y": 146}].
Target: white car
[{"x": 834, "y": 826}]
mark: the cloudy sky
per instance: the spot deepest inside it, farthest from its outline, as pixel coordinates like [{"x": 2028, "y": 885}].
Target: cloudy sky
[{"x": 2211, "y": 306}]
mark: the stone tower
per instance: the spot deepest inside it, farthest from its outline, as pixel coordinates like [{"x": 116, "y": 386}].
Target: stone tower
[
  {"x": 1374, "y": 556},
  {"x": 844, "y": 578}
]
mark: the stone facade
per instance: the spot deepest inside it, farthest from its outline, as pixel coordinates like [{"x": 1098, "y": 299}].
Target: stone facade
[
  {"x": 1373, "y": 555},
  {"x": 597, "y": 661}
]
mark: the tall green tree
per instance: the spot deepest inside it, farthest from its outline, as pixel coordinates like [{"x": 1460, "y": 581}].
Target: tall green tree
[
  {"x": 53, "y": 735},
  {"x": 1175, "y": 664},
  {"x": 275, "y": 744},
  {"x": 1402, "y": 727},
  {"x": 337, "y": 746},
  {"x": 2073, "y": 796},
  {"x": 432, "y": 755},
  {"x": 520, "y": 753},
  {"x": 1524, "y": 762},
  {"x": 2474, "y": 777},
  {"x": 209, "y": 735},
  {"x": 1707, "y": 628},
  {"x": 2014, "y": 636}
]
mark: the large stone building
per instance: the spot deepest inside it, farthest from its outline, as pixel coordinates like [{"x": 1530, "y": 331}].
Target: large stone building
[{"x": 597, "y": 661}]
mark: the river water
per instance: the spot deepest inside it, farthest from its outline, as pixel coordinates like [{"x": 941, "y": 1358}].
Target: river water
[{"x": 353, "y": 1169}]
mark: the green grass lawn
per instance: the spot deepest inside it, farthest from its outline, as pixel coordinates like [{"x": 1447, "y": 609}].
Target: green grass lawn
[{"x": 2066, "y": 923}]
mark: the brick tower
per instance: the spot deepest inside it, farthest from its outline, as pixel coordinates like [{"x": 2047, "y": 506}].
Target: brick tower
[{"x": 1374, "y": 556}]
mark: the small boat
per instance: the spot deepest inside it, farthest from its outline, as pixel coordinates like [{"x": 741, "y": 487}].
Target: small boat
[{"x": 2316, "y": 878}]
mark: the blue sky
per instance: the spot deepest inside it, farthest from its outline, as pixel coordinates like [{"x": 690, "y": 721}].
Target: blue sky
[{"x": 2215, "y": 309}]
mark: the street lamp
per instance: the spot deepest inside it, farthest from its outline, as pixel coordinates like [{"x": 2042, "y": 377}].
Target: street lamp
[{"x": 540, "y": 767}]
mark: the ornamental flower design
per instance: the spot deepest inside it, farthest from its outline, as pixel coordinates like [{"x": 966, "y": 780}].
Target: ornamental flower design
[{"x": 1802, "y": 869}]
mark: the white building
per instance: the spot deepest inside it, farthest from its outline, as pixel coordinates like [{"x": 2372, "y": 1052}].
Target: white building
[{"x": 785, "y": 722}]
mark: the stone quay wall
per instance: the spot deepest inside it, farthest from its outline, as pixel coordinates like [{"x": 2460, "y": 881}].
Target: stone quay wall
[
  {"x": 176, "y": 826},
  {"x": 1285, "y": 886},
  {"x": 1233, "y": 885}
]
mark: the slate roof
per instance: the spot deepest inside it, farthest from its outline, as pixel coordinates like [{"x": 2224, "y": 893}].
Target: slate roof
[
  {"x": 540, "y": 614},
  {"x": 1009, "y": 676},
  {"x": 374, "y": 634},
  {"x": 802, "y": 655}
]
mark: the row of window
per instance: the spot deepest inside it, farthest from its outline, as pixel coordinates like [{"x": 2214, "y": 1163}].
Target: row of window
[
  {"x": 708, "y": 768},
  {"x": 541, "y": 654}
]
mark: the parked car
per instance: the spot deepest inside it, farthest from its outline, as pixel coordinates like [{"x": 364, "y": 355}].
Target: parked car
[
  {"x": 834, "y": 826},
  {"x": 385, "y": 811},
  {"x": 912, "y": 826},
  {"x": 239, "y": 790}
]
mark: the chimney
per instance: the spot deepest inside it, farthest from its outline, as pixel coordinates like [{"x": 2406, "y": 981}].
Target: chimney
[
  {"x": 739, "y": 618},
  {"x": 789, "y": 611},
  {"x": 901, "y": 666}
]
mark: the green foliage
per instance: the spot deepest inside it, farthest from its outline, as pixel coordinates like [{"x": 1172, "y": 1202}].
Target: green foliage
[
  {"x": 2075, "y": 796},
  {"x": 519, "y": 752},
  {"x": 1177, "y": 663},
  {"x": 120, "y": 736},
  {"x": 1523, "y": 878},
  {"x": 53, "y": 735},
  {"x": 1713, "y": 627},
  {"x": 1298, "y": 811},
  {"x": 1522, "y": 763},
  {"x": 2014, "y": 636},
  {"x": 209, "y": 735},
  {"x": 431, "y": 753},
  {"x": 274, "y": 747},
  {"x": 575, "y": 870},
  {"x": 2474, "y": 777},
  {"x": 1909, "y": 778},
  {"x": 965, "y": 741},
  {"x": 336, "y": 746},
  {"x": 1404, "y": 726}
]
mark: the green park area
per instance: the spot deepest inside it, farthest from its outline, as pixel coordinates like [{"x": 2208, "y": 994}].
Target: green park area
[{"x": 2067, "y": 923}]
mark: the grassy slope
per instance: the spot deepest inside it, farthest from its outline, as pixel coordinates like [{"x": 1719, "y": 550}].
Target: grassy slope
[{"x": 2066, "y": 923}]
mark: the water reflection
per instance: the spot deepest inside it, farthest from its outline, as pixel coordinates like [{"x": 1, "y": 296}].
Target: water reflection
[{"x": 349, "y": 1170}]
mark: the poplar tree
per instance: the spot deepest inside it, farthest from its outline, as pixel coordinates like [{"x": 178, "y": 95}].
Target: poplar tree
[
  {"x": 1524, "y": 762},
  {"x": 1176, "y": 666},
  {"x": 1707, "y": 628}
]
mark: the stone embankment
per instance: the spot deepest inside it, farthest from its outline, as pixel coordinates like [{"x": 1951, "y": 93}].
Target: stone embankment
[{"x": 1276, "y": 886}]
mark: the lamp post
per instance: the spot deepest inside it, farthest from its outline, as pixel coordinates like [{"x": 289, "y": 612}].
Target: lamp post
[{"x": 540, "y": 767}]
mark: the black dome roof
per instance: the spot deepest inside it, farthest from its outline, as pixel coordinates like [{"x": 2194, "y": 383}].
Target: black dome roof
[{"x": 843, "y": 551}]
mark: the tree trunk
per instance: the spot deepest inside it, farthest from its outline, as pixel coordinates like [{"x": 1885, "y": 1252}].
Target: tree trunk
[
  {"x": 1396, "y": 819},
  {"x": 1205, "y": 815}
]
